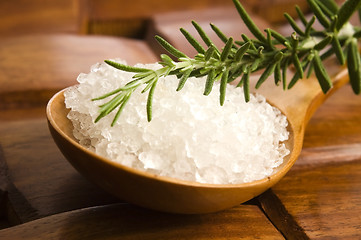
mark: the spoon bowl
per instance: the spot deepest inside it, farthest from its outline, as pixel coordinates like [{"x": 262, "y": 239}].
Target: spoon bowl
[{"x": 178, "y": 196}]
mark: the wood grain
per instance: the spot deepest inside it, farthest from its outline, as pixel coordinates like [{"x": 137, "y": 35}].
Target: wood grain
[
  {"x": 321, "y": 193},
  {"x": 336, "y": 122},
  {"x": 325, "y": 199},
  {"x": 40, "y": 181},
  {"x": 272, "y": 10},
  {"x": 19, "y": 17},
  {"x": 25, "y": 87},
  {"x": 127, "y": 222},
  {"x": 34, "y": 67},
  {"x": 227, "y": 19},
  {"x": 130, "y": 18}
]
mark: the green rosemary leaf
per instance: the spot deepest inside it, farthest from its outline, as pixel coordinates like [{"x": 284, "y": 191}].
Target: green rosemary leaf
[
  {"x": 336, "y": 46},
  {"x": 241, "y": 51},
  {"x": 357, "y": 34},
  {"x": 310, "y": 70},
  {"x": 209, "y": 53},
  {"x": 288, "y": 46},
  {"x": 247, "y": 39},
  {"x": 245, "y": 80},
  {"x": 183, "y": 79},
  {"x": 227, "y": 49},
  {"x": 334, "y": 20},
  {"x": 209, "y": 83},
  {"x": 146, "y": 79},
  {"x": 150, "y": 101},
  {"x": 354, "y": 66},
  {"x": 112, "y": 104},
  {"x": 269, "y": 38},
  {"x": 325, "y": 9},
  {"x": 255, "y": 64},
  {"x": 125, "y": 68},
  {"x": 284, "y": 73},
  {"x": 100, "y": 116},
  {"x": 235, "y": 74},
  {"x": 219, "y": 33},
  {"x": 281, "y": 39},
  {"x": 166, "y": 60},
  {"x": 108, "y": 94},
  {"x": 321, "y": 17},
  {"x": 301, "y": 15},
  {"x": 295, "y": 41},
  {"x": 297, "y": 75},
  {"x": 203, "y": 34},
  {"x": 197, "y": 73},
  {"x": 346, "y": 11},
  {"x": 120, "y": 110},
  {"x": 167, "y": 46},
  {"x": 197, "y": 46},
  {"x": 149, "y": 85},
  {"x": 321, "y": 73},
  {"x": 330, "y": 5},
  {"x": 294, "y": 80},
  {"x": 277, "y": 74},
  {"x": 240, "y": 82},
  {"x": 309, "y": 26},
  {"x": 137, "y": 77},
  {"x": 269, "y": 70},
  {"x": 293, "y": 24},
  {"x": 249, "y": 23},
  {"x": 323, "y": 43},
  {"x": 260, "y": 51},
  {"x": 223, "y": 87},
  {"x": 297, "y": 64}
]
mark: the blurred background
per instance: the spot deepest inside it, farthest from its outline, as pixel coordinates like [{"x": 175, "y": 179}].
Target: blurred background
[{"x": 116, "y": 17}]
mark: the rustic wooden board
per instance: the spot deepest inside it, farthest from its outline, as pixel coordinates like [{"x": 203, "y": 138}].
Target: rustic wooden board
[
  {"x": 40, "y": 180},
  {"x": 325, "y": 200},
  {"x": 319, "y": 198},
  {"x": 227, "y": 19},
  {"x": 124, "y": 221},
  {"x": 34, "y": 67},
  {"x": 38, "y": 16},
  {"x": 336, "y": 122}
]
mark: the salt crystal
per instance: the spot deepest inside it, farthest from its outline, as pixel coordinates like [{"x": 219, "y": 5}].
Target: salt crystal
[{"x": 190, "y": 137}]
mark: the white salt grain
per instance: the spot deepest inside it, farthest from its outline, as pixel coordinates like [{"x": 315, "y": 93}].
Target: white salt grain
[{"x": 190, "y": 137}]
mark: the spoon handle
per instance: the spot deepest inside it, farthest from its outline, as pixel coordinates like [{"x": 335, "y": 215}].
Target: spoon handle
[{"x": 300, "y": 102}]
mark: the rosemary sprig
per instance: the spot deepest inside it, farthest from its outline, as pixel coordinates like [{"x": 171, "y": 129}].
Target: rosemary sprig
[{"x": 271, "y": 52}]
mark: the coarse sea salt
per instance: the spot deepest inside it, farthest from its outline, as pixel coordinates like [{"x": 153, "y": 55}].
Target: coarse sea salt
[{"x": 191, "y": 137}]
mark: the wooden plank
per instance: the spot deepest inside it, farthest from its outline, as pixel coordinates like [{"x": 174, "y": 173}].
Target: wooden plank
[
  {"x": 324, "y": 199},
  {"x": 44, "y": 64},
  {"x": 313, "y": 156},
  {"x": 124, "y": 221},
  {"x": 20, "y": 17},
  {"x": 227, "y": 19},
  {"x": 336, "y": 122},
  {"x": 142, "y": 9},
  {"x": 279, "y": 216},
  {"x": 130, "y": 18},
  {"x": 272, "y": 11},
  {"x": 40, "y": 180}
]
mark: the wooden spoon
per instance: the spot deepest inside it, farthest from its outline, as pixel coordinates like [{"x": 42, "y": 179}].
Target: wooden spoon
[{"x": 178, "y": 196}]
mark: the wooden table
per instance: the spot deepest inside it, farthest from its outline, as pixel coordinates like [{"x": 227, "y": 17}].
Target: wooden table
[{"x": 43, "y": 197}]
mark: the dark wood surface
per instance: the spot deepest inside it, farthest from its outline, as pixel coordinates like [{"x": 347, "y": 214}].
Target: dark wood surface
[{"x": 43, "y": 197}]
